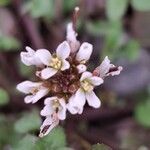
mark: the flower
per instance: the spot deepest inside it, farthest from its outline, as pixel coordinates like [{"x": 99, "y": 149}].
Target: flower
[
  {"x": 54, "y": 105},
  {"x": 35, "y": 89},
  {"x": 54, "y": 110},
  {"x": 85, "y": 92},
  {"x": 106, "y": 69},
  {"x": 49, "y": 123},
  {"x": 56, "y": 62},
  {"x": 63, "y": 76},
  {"x": 29, "y": 58}
]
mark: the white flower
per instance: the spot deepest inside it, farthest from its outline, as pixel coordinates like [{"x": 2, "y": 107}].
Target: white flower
[
  {"x": 29, "y": 58},
  {"x": 85, "y": 92},
  {"x": 35, "y": 89},
  {"x": 84, "y": 53},
  {"x": 54, "y": 63},
  {"x": 107, "y": 69},
  {"x": 49, "y": 123},
  {"x": 71, "y": 38},
  {"x": 54, "y": 105}
]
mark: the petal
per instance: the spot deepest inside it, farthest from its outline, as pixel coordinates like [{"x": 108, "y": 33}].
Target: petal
[
  {"x": 63, "y": 50},
  {"x": 81, "y": 68},
  {"x": 27, "y": 86},
  {"x": 49, "y": 99},
  {"x": 41, "y": 93},
  {"x": 84, "y": 52},
  {"x": 93, "y": 100},
  {"x": 104, "y": 67},
  {"x": 47, "y": 110},
  {"x": 116, "y": 72},
  {"x": 74, "y": 107},
  {"x": 34, "y": 98},
  {"x": 62, "y": 111},
  {"x": 85, "y": 75},
  {"x": 96, "y": 80},
  {"x": 65, "y": 65},
  {"x": 48, "y": 72},
  {"x": 44, "y": 55},
  {"x": 47, "y": 126},
  {"x": 80, "y": 97}
]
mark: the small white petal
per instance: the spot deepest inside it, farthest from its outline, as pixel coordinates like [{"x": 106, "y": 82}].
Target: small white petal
[
  {"x": 96, "y": 80},
  {"x": 81, "y": 68},
  {"x": 47, "y": 110},
  {"x": 114, "y": 73},
  {"x": 44, "y": 55},
  {"x": 27, "y": 86},
  {"x": 80, "y": 97},
  {"x": 34, "y": 98},
  {"x": 84, "y": 52},
  {"x": 65, "y": 65},
  {"x": 104, "y": 67},
  {"x": 48, "y": 72},
  {"x": 85, "y": 75},
  {"x": 93, "y": 100},
  {"x": 62, "y": 110},
  {"x": 74, "y": 107},
  {"x": 49, "y": 99},
  {"x": 63, "y": 50}
]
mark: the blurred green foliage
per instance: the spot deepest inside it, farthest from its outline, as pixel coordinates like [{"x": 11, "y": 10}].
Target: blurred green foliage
[
  {"x": 29, "y": 122},
  {"x": 115, "y": 9},
  {"x": 38, "y": 8},
  {"x": 4, "y": 97},
  {"x": 4, "y": 2},
  {"x": 8, "y": 43},
  {"x": 100, "y": 147}
]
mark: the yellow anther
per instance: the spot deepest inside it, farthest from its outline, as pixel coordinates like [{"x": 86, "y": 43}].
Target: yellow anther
[
  {"x": 34, "y": 90},
  {"x": 55, "y": 63},
  {"x": 56, "y": 104},
  {"x": 87, "y": 86}
]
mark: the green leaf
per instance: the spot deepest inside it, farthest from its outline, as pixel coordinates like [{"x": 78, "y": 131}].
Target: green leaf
[
  {"x": 4, "y": 2},
  {"x": 141, "y": 5},
  {"x": 56, "y": 139},
  {"x": 4, "y": 97},
  {"x": 39, "y": 8},
  {"x": 29, "y": 122},
  {"x": 100, "y": 147},
  {"x": 8, "y": 43},
  {"x": 26, "y": 143},
  {"x": 24, "y": 70},
  {"x": 142, "y": 112},
  {"x": 115, "y": 9},
  {"x": 132, "y": 50}
]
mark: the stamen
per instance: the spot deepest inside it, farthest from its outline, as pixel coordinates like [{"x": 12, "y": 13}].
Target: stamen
[
  {"x": 55, "y": 63},
  {"x": 87, "y": 86}
]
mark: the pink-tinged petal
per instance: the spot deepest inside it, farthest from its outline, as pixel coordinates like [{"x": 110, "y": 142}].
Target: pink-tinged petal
[
  {"x": 28, "y": 99},
  {"x": 84, "y": 52},
  {"x": 96, "y": 80},
  {"x": 48, "y": 125},
  {"x": 65, "y": 65},
  {"x": 27, "y": 86},
  {"x": 115, "y": 72},
  {"x": 44, "y": 55},
  {"x": 71, "y": 34},
  {"x": 93, "y": 100},
  {"x": 48, "y": 72},
  {"x": 104, "y": 67},
  {"x": 85, "y": 75},
  {"x": 81, "y": 68},
  {"x": 62, "y": 110},
  {"x": 63, "y": 50}
]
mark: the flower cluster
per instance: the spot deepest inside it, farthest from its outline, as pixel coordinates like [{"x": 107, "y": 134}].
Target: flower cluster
[{"x": 64, "y": 79}]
